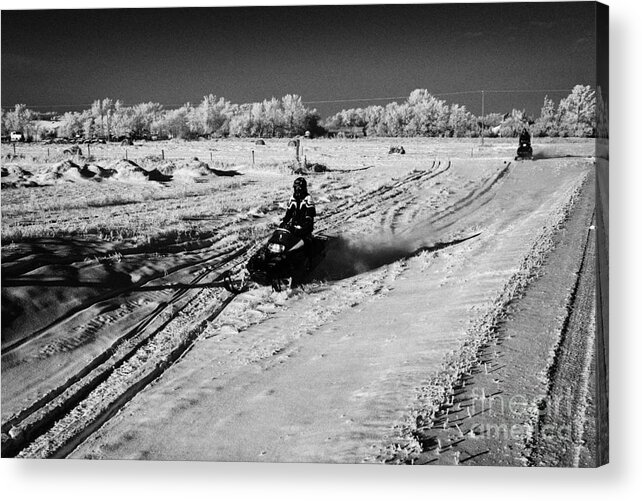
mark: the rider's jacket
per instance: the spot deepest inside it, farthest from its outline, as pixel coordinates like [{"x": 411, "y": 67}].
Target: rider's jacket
[
  {"x": 300, "y": 213},
  {"x": 525, "y": 137}
]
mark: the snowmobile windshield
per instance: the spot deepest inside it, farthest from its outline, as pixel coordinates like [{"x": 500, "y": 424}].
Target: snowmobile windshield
[{"x": 283, "y": 237}]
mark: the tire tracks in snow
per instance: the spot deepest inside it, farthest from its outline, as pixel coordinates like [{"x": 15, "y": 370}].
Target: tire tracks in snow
[
  {"x": 57, "y": 422},
  {"x": 29, "y": 424},
  {"x": 450, "y": 419}
]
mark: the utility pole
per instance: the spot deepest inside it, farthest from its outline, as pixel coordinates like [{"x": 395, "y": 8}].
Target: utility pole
[{"x": 482, "y": 121}]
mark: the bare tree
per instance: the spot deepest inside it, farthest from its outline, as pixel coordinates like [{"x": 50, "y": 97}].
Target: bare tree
[{"x": 19, "y": 119}]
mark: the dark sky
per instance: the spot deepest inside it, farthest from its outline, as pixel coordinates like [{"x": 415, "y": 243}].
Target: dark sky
[{"x": 52, "y": 59}]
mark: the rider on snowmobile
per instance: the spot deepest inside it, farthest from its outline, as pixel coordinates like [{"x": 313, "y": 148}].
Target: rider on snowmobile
[
  {"x": 525, "y": 137},
  {"x": 299, "y": 217}
]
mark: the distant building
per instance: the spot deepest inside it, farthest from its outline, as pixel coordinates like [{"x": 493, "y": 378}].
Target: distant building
[{"x": 46, "y": 129}]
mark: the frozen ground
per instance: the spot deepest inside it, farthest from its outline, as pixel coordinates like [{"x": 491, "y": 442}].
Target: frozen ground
[{"x": 452, "y": 283}]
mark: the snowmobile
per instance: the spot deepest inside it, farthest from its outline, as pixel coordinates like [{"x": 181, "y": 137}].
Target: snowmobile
[
  {"x": 524, "y": 150},
  {"x": 284, "y": 260}
]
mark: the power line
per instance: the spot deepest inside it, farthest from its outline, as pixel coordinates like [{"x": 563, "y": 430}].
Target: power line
[
  {"x": 457, "y": 93},
  {"x": 330, "y": 101},
  {"x": 516, "y": 91},
  {"x": 355, "y": 99}
]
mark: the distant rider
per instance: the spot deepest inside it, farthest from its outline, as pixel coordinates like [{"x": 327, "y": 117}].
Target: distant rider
[
  {"x": 299, "y": 217},
  {"x": 525, "y": 137}
]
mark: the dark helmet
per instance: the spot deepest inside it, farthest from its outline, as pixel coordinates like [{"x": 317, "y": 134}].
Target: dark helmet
[
  {"x": 300, "y": 182},
  {"x": 300, "y": 187}
]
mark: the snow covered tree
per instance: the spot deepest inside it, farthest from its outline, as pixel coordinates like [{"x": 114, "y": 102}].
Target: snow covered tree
[
  {"x": 213, "y": 115},
  {"x": 428, "y": 116},
  {"x": 119, "y": 120},
  {"x": 180, "y": 122},
  {"x": 70, "y": 124},
  {"x": 142, "y": 116},
  {"x": 241, "y": 122},
  {"x": 294, "y": 113},
  {"x": 89, "y": 125},
  {"x": 19, "y": 119},
  {"x": 274, "y": 115},
  {"x": 547, "y": 124},
  {"x": 374, "y": 118},
  {"x": 577, "y": 112},
  {"x": 460, "y": 121},
  {"x": 513, "y": 124},
  {"x": 395, "y": 118},
  {"x": 102, "y": 113}
]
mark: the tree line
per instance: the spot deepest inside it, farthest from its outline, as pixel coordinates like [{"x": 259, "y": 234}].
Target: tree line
[
  {"x": 213, "y": 116},
  {"x": 422, "y": 114}
]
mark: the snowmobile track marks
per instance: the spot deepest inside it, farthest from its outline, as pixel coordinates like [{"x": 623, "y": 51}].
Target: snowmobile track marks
[
  {"x": 219, "y": 258},
  {"x": 24, "y": 427},
  {"x": 27, "y": 425},
  {"x": 475, "y": 196},
  {"x": 370, "y": 203},
  {"x": 442, "y": 411}
]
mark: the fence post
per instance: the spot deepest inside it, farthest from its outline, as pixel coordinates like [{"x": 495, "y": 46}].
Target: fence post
[
  {"x": 88, "y": 150},
  {"x": 252, "y": 157},
  {"x": 47, "y": 153},
  {"x": 14, "y": 149},
  {"x": 211, "y": 159},
  {"x": 126, "y": 154},
  {"x": 163, "y": 154}
]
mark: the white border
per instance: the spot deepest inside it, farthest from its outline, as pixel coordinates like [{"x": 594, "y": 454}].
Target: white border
[{"x": 73, "y": 479}]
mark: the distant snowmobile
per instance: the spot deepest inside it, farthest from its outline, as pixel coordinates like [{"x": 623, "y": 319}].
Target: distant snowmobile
[
  {"x": 524, "y": 151},
  {"x": 284, "y": 260}
]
